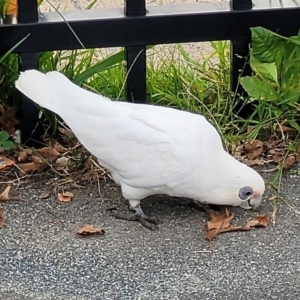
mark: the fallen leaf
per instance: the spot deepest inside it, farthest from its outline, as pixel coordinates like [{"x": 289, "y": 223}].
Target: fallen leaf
[
  {"x": 58, "y": 147},
  {"x": 49, "y": 153},
  {"x": 40, "y": 164},
  {"x": 89, "y": 229},
  {"x": 22, "y": 156},
  {"x": 43, "y": 195},
  {"x": 28, "y": 151},
  {"x": 256, "y": 162},
  {"x": 8, "y": 120},
  {"x": 259, "y": 221},
  {"x": 254, "y": 149},
  {"x": 220, "y": 223},
  {"x": 5, "y": 162},
  {"x": 65, "y": 197},
  {"x": 2, "y": 217},
  {"x": 283, "y": 128},
  {"x": 5, "y": 197},
  {"x": 223, "y": 218},
  {"x": 27, "y": 168},
  {"x": 289, "y": 162},
  {"x": 278, "y": 157}
]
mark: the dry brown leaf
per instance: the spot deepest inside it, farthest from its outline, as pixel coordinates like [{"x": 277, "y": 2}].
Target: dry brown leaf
[
  {"x": 8, "y": 120},
  {"x": 5, "y": 162},
  {"x": 43, "y": 195},
  {"x": 259, "y": 221},
  {"x": 49, "y": 153},
  {"x": 2, "y": 217},
  {"x": 22, "y": 156},
  {"x": 28, "y": 151},
  {"x": 278, "y": 157},
  {"x": 223, "y": 218},
  {"x": 254, "y": 149},
  {"x": 255, "y": 162},
  {"x": 58, "y": 148},
  {"x": 289, "y": 162},
  {"x": 283, "y": 128},
  {"x": 40, "y": 164},
  {"x": 65, "y": 197},
  {"x": 27, "y": 168},
  {"x": 89, "y": 229},
  {"x": 220, "y": 223},
  {"x": 5, "y": 197}
]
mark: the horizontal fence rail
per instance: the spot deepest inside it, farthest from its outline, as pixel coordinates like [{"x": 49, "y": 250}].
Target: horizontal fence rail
[
  {"x": 161, "y": 25},
  {"x": 136, "y": 26}
]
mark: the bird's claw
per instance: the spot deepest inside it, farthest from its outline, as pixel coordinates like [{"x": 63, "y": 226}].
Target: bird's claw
[{"x": 150, "y": 223}]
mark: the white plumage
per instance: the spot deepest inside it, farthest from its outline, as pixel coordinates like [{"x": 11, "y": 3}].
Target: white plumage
[{"x": 148, "y": 149}]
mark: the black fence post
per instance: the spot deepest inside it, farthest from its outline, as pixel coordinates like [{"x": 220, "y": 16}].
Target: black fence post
[
  {"x": 135, "y": 57},
  {"x": 239, "y": 50},
  {"x": 30, "y": 125}
]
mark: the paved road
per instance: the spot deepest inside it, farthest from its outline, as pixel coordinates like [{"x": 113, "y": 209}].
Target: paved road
[{"x": 41, "y": 258}]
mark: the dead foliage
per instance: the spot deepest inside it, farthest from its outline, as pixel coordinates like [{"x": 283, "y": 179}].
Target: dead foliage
[
  {"x": 65, "y": 197},
  {"x": 4, "y": 196},
  {"x": 5, "y": 162},
  {"x": 8, "y": 119},
  {"x": 89, "y": 230},
  {"x": 220, "y": 223},
  {"x": 273, "y": 151}
]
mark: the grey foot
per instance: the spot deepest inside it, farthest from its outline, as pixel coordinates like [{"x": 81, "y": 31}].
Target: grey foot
[
  {"x": 145, "y": 221},
  {"x": 150, "y": 223}
]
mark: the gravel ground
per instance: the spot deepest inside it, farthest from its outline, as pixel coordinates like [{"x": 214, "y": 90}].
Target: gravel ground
[{"x": 42, "y": 258}]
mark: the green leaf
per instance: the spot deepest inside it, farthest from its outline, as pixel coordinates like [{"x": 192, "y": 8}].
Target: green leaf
[
  {"x": 7, "y": 145},
  {"x": 268, "y": 70},
  {"x": 101, "y": 66},
  {"x": 3, "y": 136},
  {"x": 266, "y": 46},
  {"x": 258, "y": 89},
  {"x": 294, "y": 125}
]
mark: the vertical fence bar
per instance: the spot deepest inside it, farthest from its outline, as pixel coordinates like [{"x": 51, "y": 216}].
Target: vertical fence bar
[
  {"x": 30, "y": 126},
  {"x": 239, "y": 50},
  {"x": 135, "y": 57}
]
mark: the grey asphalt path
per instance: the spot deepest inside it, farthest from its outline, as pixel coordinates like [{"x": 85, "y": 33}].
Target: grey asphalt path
[{"x": 41, "y": 257}]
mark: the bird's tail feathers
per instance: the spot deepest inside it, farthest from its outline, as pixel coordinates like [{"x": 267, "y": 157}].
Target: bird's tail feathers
[{"x": 36, "y": 86}]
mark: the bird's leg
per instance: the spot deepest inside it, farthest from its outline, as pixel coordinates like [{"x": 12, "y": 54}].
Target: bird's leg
[{"x": 139, "y": 215}]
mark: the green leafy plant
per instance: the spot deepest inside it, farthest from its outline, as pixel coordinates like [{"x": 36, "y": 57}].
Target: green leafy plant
[
  {"x": 5, "y": 143},
  {"x": 275, "y": 84}
]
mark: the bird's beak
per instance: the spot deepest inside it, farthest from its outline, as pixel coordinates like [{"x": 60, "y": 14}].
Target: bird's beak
[{"x": 254, "y": 201}]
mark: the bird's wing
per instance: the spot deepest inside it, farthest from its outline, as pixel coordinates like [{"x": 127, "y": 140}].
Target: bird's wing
[
  {"x": 142, "y": 145},
  {"x": 137, "y": 147}
]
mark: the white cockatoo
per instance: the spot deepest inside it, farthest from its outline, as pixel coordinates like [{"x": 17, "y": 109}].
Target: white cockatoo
[{"x": 148, "y": 149}]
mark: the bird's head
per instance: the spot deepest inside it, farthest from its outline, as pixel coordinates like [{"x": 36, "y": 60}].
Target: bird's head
[
  {"x": 245, "y": 187},
  {"x": 236, "y": 184}
]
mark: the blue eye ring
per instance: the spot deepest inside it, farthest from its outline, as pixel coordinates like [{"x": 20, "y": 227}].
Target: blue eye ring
[{"x": 245, "y": 193}]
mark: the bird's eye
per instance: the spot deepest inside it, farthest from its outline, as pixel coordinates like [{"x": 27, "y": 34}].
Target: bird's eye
[{"x": 245, "y": 192}]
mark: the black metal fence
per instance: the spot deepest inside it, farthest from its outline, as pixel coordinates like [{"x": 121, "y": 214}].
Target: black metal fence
[{"x": 135, "y": 27}]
